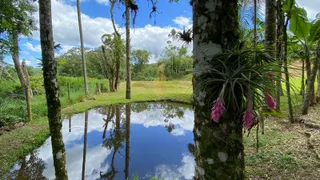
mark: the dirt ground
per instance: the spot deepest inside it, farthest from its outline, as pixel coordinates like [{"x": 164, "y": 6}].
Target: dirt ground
[{"x": 288, "y": 151}]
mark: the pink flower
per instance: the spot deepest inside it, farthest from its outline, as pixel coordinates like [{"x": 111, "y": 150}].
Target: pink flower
[
  {"x": 247, "y": 119},
  {"x": 270, "y": 74},
  {"x": 217, "y": 109},
  {"x": 270, "y": 101}
]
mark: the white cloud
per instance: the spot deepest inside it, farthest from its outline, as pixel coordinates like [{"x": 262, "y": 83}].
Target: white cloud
[
  {"x": 182, "y": 21},
  {"x": 33, "y": 48},
  {"x": 66, "y": 32},
  {"x": 311, "y": 6},
  {"x": 104, "y": 2}
]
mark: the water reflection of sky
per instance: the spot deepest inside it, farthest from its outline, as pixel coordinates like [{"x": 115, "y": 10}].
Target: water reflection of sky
[{"x": 154, "y": 152}]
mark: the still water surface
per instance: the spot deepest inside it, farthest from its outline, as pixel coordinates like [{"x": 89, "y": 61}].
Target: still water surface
[{"x": 151, "y": 141}]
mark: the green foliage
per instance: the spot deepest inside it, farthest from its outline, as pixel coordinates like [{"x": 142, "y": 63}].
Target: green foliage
[
  {"x": 16, "y": 17},
  {"x": 138, "y": 59},
  {"x": 242, "y": 74},
  {"x": 13, "y": 107},
  {"x": 299, "y": 23},
  {"x": 315, "y": 29}
]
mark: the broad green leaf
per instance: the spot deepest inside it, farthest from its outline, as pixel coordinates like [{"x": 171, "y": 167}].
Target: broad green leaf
[
  {"x": 315, "y": 29},
  {"x": 287, "y": 4},
  {"x": 299, "y": 23}
]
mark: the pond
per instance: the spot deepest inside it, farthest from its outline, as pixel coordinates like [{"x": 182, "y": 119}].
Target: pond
[{"x": 114, "y": 142}]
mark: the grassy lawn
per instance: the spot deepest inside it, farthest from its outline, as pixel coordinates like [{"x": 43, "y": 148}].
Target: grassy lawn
[{"x": 282, "y": 153}]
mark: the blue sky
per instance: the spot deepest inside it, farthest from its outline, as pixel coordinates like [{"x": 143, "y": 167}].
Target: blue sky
[
  {"x": 146, "y": 34},
  {"x": 96, "y": 22}
]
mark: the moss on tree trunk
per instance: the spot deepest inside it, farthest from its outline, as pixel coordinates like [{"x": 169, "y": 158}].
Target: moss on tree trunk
[
  {"x": 52, "y": 89},
  {"x": 128, "y": 84},
  {"x": 218, "y": 146}
]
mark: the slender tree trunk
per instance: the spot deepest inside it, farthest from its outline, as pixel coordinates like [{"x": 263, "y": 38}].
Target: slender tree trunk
[
  {"x": 218, "y": 146},
  {"x": 118, "y": 55},
  {"x": 286, "y": 72},
  {"x": 84, "y": 66},
  {"x": 255, "y": 25},
  {"x": 15, "y": 58},
  {"x": 127, "y": 161},
  {"x": 84, "y": 145},
  {"x": 27, "y": 90},
  {"x": 280, "y": 22},
  {"x": 52, "y": 89},
  {"x": 302, "y": 80},
  {"x": 308, "y": 65},
  {"x": 128, "y": 85},
  {"x": 318, "y": 88},
  {"x": 310, "y": 85}
]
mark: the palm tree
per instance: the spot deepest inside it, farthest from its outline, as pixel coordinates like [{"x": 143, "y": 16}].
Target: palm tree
[
  {"x": 128, "y": 84},
  {"x": 52, "y": 89},
  {"x": 84, "y": 67}
]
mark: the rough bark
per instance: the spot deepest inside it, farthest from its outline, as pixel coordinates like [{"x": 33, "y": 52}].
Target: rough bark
[
  {"x": 218, "y": 146},
  {"x": 127, "y": 161},
  {"x": 128, "y": 84},
  {"x": 270, "y": 27},
  {"x": 310, "y": 85},
  {"x": 286, "y": 72},
  {"x": 84, "y": 66},
  {"x": 15, "y": 58},
  {"x": 84, "y": 145},
  {"x": 27, "y": 90},
  {"x": 318, "y": 88},
  {"x": 280, "y": 22},
  {"x": 302, "y": 90},
  {"x": 52, "y": 89},
  {"x": 118, "y": 55}
]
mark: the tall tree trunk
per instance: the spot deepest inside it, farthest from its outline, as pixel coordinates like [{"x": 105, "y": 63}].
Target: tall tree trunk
[
  {"x": 255, "y": 25},
  {"x": 302, "y": 90},
  {"x": 318, "y": 88},
  {"x": 308, "y": 65},
  {"x": 118, "y": 55},
  {"x": 286, "y": 72},
  {"x": 15, "y": 58},
  {"x": 127, "y": 161},
  {"x": 128, "y": 85},
  {"x": 218, "y": 146},
  {"x": 84, "y": 145},
  {"x": 84, "y": 66},
  {"x": 270, "y": 30},
  {"x": 52, "y": 89},
  {"x": 280, "y": 22},
  {"x": 310, "y": 85},
  {"x": 27, "y": 90}
]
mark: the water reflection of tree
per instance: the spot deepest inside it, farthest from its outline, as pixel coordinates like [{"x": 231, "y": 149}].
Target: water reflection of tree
[
  {"x": 115, "y": 138},
  {"x": 128, "y": 118},
  {"x": 30, "y": 168},
  {"x": 85, "y": 145}
]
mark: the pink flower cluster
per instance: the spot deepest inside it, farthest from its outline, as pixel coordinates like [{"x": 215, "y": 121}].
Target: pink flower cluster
[
  {"x": 217, "y": 109},
  {"x": 270, "y": 101},
  {"x": 248, "y": 116}
]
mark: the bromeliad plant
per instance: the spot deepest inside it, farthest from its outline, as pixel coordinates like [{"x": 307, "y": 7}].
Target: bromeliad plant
[{"x": 241, "y": 81}]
